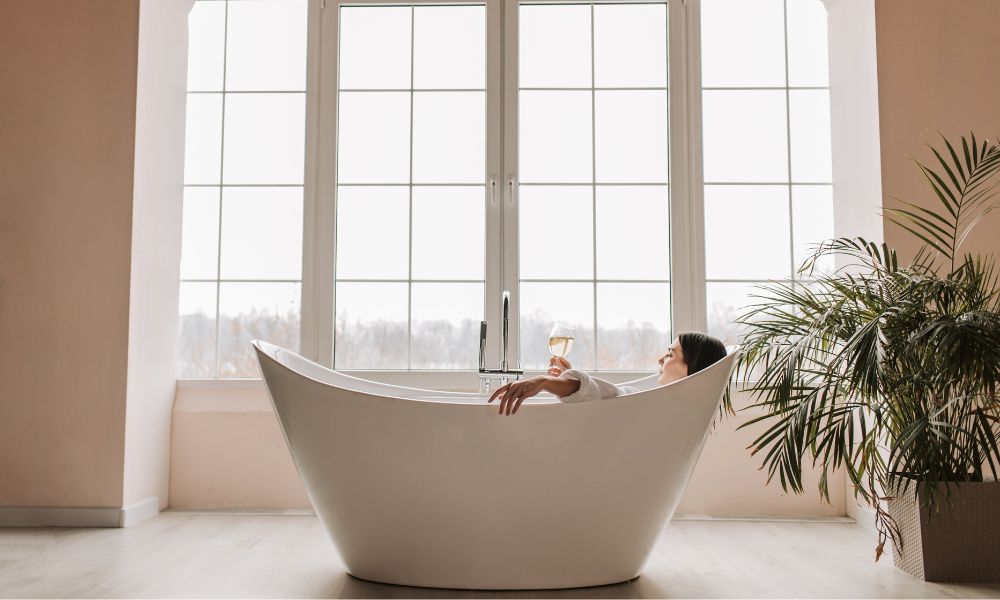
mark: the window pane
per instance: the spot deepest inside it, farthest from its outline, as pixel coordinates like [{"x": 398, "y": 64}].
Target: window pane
[
  {"x": 556, "y": 139},
  {"x": 203, "y": 138},
  {"x": 250, "y": 311},
  {"x": 449, "y": 228},
  {"x": 808, "y": 63},
  {"x": 633, "y": 325},
  {"x": 265, "y": 138},
  {"x": 373, "y": 232},
  {"x": 371, "y": 326},
  {"x": 812, "y": 218},
  {"x": 196, "y": 335},
  {"x": 374, "y": 137},
  {"x": 742, "y": 43},
  {"x": 633, "y": 225},
  {"x": 744, "y": 136},
  {"x": 631, "y": 137},
  {"x": 375, "y": 47},
  {"x": 747, "y": 232},
  {"x": 266, "y": 45},
  {"x": 206, "y": 46},
  {"x": 556, "y": 232},
  {"x": 811, "y": 146},
  {"x": 726, "y": 302},
  {"x": 449, "y": 137},
  {"x": 445, "y": 329},
  {"x": 554, "y": 45},
  {"x": 449, "y": 47},
  {"x": 630, "y": 45},
  {"x": 200, "y": 234},
  {"x": 262, "y": 233},
  {"x": 544, "y": 304}
]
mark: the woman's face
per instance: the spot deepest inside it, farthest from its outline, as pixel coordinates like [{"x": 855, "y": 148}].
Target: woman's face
[{"x": 672, "y": 364}]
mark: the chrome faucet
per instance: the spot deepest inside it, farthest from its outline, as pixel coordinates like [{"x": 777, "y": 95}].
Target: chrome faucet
[{"x": 504, "y": 374}]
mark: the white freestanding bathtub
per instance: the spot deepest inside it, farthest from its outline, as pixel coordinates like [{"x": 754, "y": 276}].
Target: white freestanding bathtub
[{"x": 435, "y": 489}]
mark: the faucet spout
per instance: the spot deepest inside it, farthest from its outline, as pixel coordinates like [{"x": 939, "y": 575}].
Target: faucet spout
[
  {"x": 505, "y": 310},
  {"x": 504, "y": 373},
  {"x": 482, "y": 346}
]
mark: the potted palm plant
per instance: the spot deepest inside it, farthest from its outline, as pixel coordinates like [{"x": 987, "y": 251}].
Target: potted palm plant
[{"x": 890, "y": 371}]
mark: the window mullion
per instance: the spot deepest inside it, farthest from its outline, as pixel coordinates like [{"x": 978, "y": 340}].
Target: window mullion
[
  {"x": 493, "y": 200},
  {"x": 319, "y": 234},
  {"x": 687, "y": 217},
  {"x": 508, "y": 198},
  {"x": 409, "y": 235},
  {"x": 222, "y": 181}
]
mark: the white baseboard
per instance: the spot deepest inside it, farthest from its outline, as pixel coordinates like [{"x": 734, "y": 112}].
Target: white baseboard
[
  {"x": 139, "y": 511},
  {"x": 247, "y": 512},
  {"x": 865, "y": 517},
  {"x": 78, "y": 516}
]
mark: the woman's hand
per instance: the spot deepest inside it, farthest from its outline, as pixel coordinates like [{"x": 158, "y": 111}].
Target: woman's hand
[
  {"x": 557, "y": 365},
  {"x": 514, "y": 393}
]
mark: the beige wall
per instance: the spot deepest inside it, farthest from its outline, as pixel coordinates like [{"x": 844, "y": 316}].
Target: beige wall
[
  {"x": 936, "y": 71},
  {"x": 728, "y": 482},
  {"x": 156, "y": 247},
  {"x": 91, "y": 172},
  {"x": 854, "y": 116},
  {"x": 227, "y": 451},
  {"x": 67, "y": 124}
]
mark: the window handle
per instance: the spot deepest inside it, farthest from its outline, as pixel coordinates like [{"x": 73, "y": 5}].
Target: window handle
[
  {"x": 510, "y": 189},
  {"x": 493, "y": 190}
]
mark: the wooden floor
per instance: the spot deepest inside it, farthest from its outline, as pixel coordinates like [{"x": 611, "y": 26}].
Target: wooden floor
[{"x": 215, "y": 555}]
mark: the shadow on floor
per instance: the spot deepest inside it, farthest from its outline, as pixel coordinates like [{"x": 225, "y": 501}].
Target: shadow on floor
[{"x": 355, "y": 587}]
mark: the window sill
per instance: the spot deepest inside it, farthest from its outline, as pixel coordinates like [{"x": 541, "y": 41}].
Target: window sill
[{"x": 241, "y": 383}]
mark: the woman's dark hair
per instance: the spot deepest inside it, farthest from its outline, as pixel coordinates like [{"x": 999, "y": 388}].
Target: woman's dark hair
[{"x": 700, "y": 350}]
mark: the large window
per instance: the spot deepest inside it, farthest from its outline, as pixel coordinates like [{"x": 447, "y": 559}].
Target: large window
[
  {"x": 594, "y": 210},
  {"x": 411, "y": 187},
  {"x": 241, "y": 263},
  {"x": 768, "y": 194},
  {"x": 464, "y": 148}
]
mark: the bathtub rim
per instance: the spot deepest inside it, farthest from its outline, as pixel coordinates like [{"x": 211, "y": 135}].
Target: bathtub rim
[{"x": 473, "y": 398}]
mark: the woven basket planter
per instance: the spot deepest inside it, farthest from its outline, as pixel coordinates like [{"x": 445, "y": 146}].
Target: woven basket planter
[{"x": 959, "y": 543}]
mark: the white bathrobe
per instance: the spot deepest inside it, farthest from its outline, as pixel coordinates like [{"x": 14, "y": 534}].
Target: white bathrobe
[{"x": 593, "y": 388}]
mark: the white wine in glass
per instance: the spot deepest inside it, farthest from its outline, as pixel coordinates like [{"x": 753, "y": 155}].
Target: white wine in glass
[{"x": 561, "y": 339}]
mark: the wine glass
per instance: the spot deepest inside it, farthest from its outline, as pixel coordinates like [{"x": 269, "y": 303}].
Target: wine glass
[{"x": 561, "y": 339}]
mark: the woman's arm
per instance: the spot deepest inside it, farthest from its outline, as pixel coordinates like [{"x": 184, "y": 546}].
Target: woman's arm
[
  {"x": 592, "y": 388},
  {"x": 562, "y": 387},
  {"x": 514, "y": 393}
]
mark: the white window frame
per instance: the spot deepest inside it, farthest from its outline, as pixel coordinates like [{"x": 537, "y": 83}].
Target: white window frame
[
  {"x": 687, "y": 279},
  {"x": 221, "y": 186}
]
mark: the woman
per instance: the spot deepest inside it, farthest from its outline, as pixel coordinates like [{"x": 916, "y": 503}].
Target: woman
[{"x": 691, "y": 352}]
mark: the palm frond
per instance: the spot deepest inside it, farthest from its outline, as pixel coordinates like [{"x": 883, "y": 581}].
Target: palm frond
[
  {"x": 890, "y": 372},
  {"x": 963, "y": 185}
]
